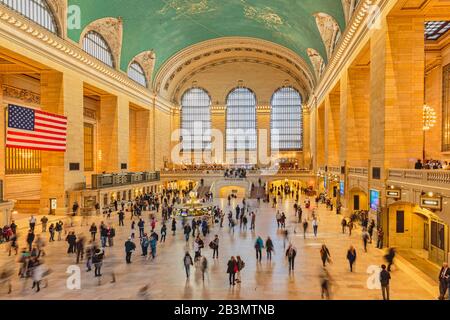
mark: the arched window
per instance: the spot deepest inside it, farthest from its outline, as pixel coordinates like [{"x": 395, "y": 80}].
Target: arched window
[
  {"x": 96, "y": 46},
  {"x": 136, "y": 73},
  {"x": 35, "y": 10},
  {"x": 286, "y": 120},
  {"x": 196, "y": 120},
  {"x": 241, "y": 120}
]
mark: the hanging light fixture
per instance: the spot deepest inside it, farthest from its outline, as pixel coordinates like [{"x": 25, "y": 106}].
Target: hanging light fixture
[{"x": 429, "y": 117}]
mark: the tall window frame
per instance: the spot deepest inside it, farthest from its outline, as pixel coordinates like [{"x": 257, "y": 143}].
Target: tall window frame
[
  {"x": 241, "y": 123},
  {"x": 88, "y": 137},
  {"x": 286, "y": 117},
  {"x": 95, "y": 45},
  {"x": 446, "y": 108},
  {"x": 137, "y": 74},
  {"x": 195, "y": 120},
  {"x": 37, "y": 11}
]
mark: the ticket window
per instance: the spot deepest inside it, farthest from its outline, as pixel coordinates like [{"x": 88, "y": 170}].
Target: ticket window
[{"x": 438, "y": 242}]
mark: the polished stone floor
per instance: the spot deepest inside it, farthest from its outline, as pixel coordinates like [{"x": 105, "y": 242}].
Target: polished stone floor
[{"x": 165, "y": 278}]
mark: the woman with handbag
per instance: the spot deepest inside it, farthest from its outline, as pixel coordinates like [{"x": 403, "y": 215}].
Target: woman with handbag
[{"x": 325, "y": 255}]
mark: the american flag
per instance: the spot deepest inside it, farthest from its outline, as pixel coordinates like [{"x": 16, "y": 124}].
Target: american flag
[{"x": 35, "y": 129}]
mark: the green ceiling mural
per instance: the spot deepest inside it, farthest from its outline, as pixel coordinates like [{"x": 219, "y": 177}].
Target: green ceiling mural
[{"x": 168, "y": 26}]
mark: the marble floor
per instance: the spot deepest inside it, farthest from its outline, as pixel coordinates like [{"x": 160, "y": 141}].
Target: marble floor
[{"x": 165, "y": 278}]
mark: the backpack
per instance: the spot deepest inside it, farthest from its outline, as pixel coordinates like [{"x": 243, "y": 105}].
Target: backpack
[{"x": 212, "y": 245}]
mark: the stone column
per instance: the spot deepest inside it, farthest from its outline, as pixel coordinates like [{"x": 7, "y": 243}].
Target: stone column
[
  {"x": 218, "y": 124},
  {"x": 264, "y": 148},
  {"x": 332, "y": 130},
  {"x": 142, "y": 151},
  {"x": 320, "y": 136},
  {"x": 397, "y": 92},
  {"x": 355, "y": 97},
  {"x": 62, "y": 94},
  {"x": 113, "y": 133}
]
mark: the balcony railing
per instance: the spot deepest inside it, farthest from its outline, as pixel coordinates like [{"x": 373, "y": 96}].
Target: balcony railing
[
  {"x": 420, "y": 176},
  {"x": 359, "y": 172},
  {"x": 100, "y": 181}
]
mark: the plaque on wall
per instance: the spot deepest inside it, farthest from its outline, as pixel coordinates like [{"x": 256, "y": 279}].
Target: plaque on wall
[
  {"x": 393, "y": 194},
  {"x": 431, "y": 203}
]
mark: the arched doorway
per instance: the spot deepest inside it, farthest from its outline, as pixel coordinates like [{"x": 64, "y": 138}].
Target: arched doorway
[
  {"x": 418, "y": 229},
  {"x": 357, "y": 200},
  {"x": 239, "y": 192}
]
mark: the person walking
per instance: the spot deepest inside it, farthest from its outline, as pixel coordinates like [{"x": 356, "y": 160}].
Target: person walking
[
  {"x": 93, "y": 231},
  {"x": 325, "y": 281},
  {"x": 390, "y": 258},
  {"x": 32, "y": 222},
  {"x": 97, "y": 260},
  {"x": 141, "y": 225},
  {"x": 385, "y": 278},
  {"x": 315, "y": 224},
  {"x": 240, "y": 265},
  {"x": 291, "y": 253},
  {"x": 111, "y": 236},
  {"x": 51, "y": 230},
  {"x": 350, "y": 226},
  {"x": 103, "y": 234},
  {"x": 71, "y": 240},
  {"x": 232, "y": 269},
  {"x": 380, "y": 235},
  {"x": 188, "y": 262},
  {"x": 187, "y": 231},
  {"x": 174, "y": 226},
  {"x": 145, "y": 242},
  {"x": 259, "y": 245},
  {"x": 365, "y": 238},
  {"x": 325, "y": 255},
  {"x": 153, "y": 244},
  {"x": 30, "y": 239},
  {"x": 79, "y": 248},
  {"x": 129, "y": 248},
  {"x": 444, "y": 276},
  {"x": 269, "y": 248},
  {"x": 214, "y": 245},
  {"x": 305, "y": 228},
  {"x": 351, "y": 257},
  {"x": 163, "y": 233},
  {"x": 59, "y": 229},
  {"x": 44, "y": 221},
  {"x": 344, "y": 224},
  {"x": 203, "y": 267},
  {"x": 121, "y": 218}
]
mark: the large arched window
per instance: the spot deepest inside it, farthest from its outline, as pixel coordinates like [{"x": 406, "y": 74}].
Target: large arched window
[
  {"x": 286, "y": 120},
  {"x": 241, "y": 120},
  {"x": 196, "y": 120},
  {"x": 96, "y": 46},
  {"x": 35, "y": 10},
  {"x": 136, "y": 73}
]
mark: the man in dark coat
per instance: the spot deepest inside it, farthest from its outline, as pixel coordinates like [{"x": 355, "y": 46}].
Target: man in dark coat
[{"x": 129, "y": 248}]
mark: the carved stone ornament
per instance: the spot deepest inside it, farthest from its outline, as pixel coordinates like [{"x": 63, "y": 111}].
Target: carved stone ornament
[
  {"x": 146, "y": 60},
  {"x": 111, "y": 29}
]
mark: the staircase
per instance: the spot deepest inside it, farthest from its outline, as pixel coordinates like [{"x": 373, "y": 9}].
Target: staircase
[
  {"x": 258, "y": 192},
  {"x": 202, "y": 191}
]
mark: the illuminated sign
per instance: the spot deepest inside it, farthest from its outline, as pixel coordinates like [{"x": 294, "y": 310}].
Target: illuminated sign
[
  {"x": 342, "y": 187},
  {"x": 374, "y": 200},
  {"x": 431, "y": 203},
  {"x": 396, "y": 194}
]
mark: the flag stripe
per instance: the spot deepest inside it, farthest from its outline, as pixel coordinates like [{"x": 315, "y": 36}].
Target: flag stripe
[
  {"x": 38, "y": 136},
  {"x": 50, "y": 114},
  {"x": 51, "y": 132},
  {"x": 49, "y": 126},
  {"x": 50, "y": 120},
  {"x": 38, "y": 142}
]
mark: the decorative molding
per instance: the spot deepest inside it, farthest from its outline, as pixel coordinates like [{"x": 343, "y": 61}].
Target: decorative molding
[
  {"x": 21, "y": 94},
  {"x": 317, "y": 61},
  {"x": 300, "y": 84},
  {"x": 31, "y": 36},
  {"x": 146, "y": 60},
  {"x": 329, "y": 31},
  {"x": 59, "y": 9},
  {"x": 89, "y": 113},
  {"x": 111, "y": 29},
  {"x": 192, "y": 57},
  {"x": 357, "y": 30}
]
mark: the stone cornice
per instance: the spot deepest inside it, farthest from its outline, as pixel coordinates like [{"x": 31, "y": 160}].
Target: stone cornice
[
  {"x": 31, "y": 36},
  {"x": 356, "y": 31}
]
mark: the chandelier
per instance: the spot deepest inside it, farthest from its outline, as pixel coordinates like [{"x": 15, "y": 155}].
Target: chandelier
[{"x": 429, "y": 117}]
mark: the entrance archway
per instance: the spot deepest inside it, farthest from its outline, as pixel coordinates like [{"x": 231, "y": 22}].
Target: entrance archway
[
  {"x": 239, "y": 192},
  {"x": 357, "y": 200}
]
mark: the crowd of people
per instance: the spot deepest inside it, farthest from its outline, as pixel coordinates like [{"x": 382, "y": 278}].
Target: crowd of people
[
  {"x": 432, "y": 164},
  {"x": 151, "y": 215}
]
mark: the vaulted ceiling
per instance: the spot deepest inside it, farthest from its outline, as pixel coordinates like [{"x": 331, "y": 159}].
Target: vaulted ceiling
[{"x": 169, "y": 26}]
